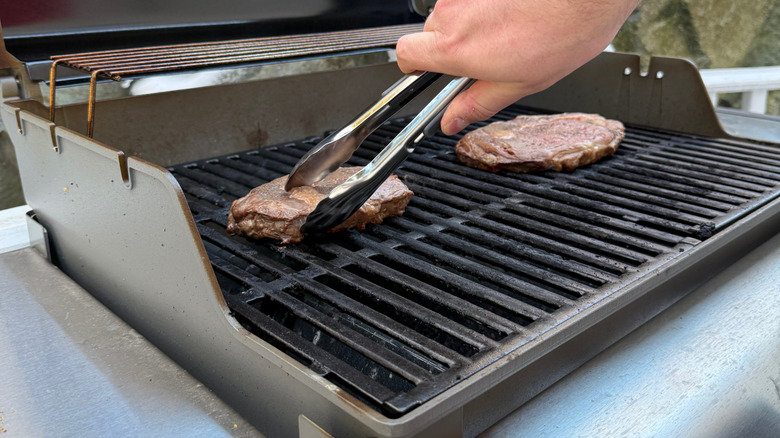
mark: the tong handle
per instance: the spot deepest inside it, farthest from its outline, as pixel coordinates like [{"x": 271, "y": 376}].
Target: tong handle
[
  {"x": 347, "y": 197},
  {"x": 333, "y": 151}
]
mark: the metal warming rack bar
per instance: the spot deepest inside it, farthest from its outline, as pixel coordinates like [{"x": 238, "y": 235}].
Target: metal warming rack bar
[
  {"x": 115, "y": 64},
  {"x": 479, "y": 265}
]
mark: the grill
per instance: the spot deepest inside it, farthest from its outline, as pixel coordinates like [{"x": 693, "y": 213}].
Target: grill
[
  {"x": 440, "y": 322},
  {"x": 478, "y": 265}
]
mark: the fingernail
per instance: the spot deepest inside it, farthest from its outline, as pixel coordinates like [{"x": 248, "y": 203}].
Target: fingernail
[{"x": 455, "y": 126}]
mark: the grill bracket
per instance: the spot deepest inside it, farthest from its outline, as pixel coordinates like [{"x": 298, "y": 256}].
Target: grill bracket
[{"x": 670, "y": 95}]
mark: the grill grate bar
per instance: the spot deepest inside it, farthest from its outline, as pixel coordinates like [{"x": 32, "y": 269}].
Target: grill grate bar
[
  {"x": 742, "y": 158},
  {"x": 299, "y": 300},
  {"x": 547, "y": 278},
  {"x": 506, "y": 306},
  {"x": 321, "y": 361},
  {"x": 372, "y": 294},
  {"x": 655, "y": 180},
  {"x": 327, "y": 363},
  {"x": 434, "y": 256},
  {"x": 313, "y": 267},
  {"x": 542, "y": 187},
  {"x": 658, "y": 195},
  {"x": 657, "y": 173},
  {"x": 530, "y": 229},
  {"x": 575, "y": 229},
  {"x": 220, "y": 185},
  {"x": 431, "y": 297},
  {"x": 739, "y": 148},
  {"x": 541, "y": 196},
  {"x": 652, "y": 213},
  {"x": 539, "y": 249},
  {"x": 743, "y": 188}
]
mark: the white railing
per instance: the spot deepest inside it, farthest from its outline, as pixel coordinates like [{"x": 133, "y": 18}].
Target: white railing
[{"x": 753, "y": 82}]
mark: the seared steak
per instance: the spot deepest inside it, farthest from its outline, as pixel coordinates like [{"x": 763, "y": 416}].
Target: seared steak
[
  {"x": 535, "y": 143},
  {"x": 270, "y": 211}
]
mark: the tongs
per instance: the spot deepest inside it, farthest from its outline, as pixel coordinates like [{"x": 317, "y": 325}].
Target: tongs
[{"x": 333, "y": 151}]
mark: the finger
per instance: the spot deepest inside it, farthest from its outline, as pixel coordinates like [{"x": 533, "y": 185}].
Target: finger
[
  {"x": 480, "y": 102},
  {"x": 417, "y": 51}
]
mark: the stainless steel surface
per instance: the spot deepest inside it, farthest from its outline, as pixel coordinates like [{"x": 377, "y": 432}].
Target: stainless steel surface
[
  {"x": 745, "y": 124},
  {"x": 347, "y": 197},
  {"x": 706, "y": 367},
  {"x": 73, "y": 368},
  {"x": 217, "y": 118},
  {"x": 669, "y": 95},
  {"x": 335, "y": 149}
]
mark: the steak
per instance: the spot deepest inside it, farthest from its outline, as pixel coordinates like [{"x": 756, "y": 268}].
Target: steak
[
  {"x": 270, "y": 211},
  {"x": 536, "y": 143}
]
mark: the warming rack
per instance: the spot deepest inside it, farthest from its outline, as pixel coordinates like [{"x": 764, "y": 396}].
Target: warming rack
[{"x": 115, "y": 64}]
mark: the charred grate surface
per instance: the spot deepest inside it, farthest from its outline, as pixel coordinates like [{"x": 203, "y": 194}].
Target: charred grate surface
[{"x": 480, "y": 263}]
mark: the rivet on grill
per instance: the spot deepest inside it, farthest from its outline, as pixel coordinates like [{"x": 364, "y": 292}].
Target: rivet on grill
[{"x": 659, "y": 75}]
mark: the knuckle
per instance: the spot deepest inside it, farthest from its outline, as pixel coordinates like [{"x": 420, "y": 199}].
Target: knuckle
[{"x": 479, "y": 110}]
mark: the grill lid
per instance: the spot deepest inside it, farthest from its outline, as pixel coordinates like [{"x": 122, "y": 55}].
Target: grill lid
[
  {"x": 36, "y": 29},
  {"x": 479, "y": 265}
]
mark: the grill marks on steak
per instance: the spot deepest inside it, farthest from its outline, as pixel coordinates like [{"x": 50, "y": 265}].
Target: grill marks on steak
[
  {"x": 270, "y": 211},
  {"x": 536, "y": 143}
]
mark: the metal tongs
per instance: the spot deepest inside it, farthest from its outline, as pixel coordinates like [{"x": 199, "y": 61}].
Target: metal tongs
[{"x": 329, "y": 154}]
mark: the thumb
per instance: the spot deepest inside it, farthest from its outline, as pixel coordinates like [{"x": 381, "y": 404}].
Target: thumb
[{"x": 480, "y": 102}]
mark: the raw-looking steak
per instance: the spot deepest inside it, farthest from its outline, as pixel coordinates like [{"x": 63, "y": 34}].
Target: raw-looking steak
[
  {"x": 270, "y": 211},
  {"x": 535, "y": 143}
]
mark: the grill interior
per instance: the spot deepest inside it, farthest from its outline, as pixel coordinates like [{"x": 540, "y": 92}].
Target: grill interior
[{"x": 480, "y": 263}]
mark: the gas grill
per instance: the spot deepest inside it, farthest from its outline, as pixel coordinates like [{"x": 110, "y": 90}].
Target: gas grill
[{"x": 488, "y": 289}]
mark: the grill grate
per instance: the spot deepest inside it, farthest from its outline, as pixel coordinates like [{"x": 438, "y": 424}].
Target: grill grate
[{"x": 479, "y": 264}]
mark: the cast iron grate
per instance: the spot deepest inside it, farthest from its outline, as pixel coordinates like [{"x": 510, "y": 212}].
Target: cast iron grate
[{"x": 479, "y": 264}]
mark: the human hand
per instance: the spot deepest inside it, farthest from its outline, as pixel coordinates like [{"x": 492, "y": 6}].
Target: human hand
[{"x": 512, "y": 47}]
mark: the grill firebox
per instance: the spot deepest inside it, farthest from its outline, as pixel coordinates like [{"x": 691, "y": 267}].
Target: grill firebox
[{"x": 480, "y": 263}]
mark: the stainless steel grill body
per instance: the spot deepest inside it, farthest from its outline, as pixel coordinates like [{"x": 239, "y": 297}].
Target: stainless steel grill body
[{"x": 122, "y": 227}]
